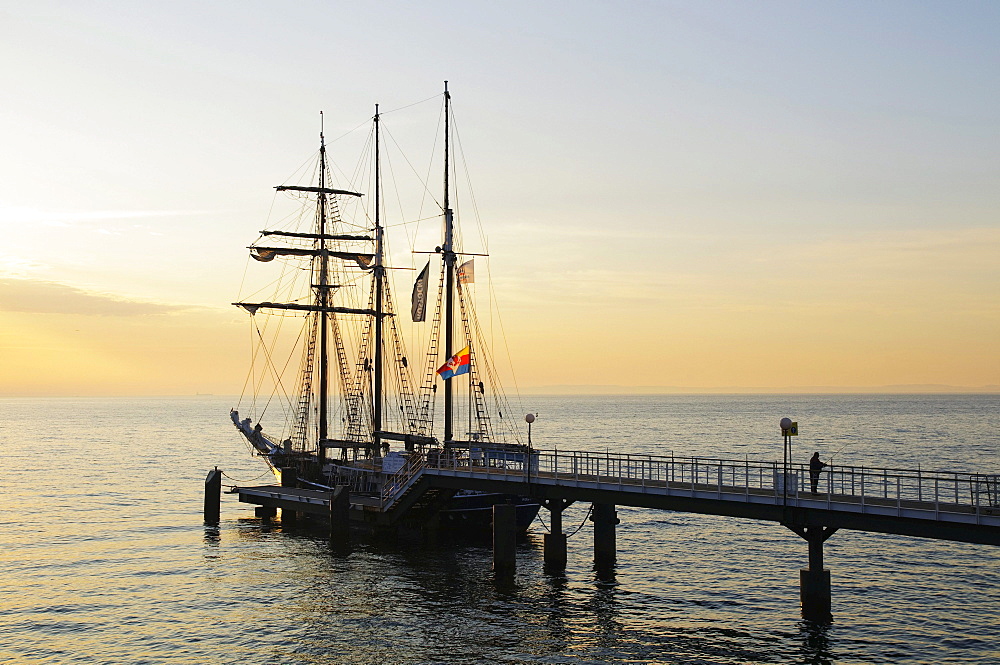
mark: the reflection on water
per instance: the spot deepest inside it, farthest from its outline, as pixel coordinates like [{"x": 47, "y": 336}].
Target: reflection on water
[
  {"x": 105, "y": 558},
  {"x": 815, "y": 644}
]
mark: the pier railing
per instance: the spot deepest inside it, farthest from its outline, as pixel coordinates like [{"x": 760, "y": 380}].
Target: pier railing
[
  {"x": 397, "y": 483},
  {"x": 858, "y": 483}
]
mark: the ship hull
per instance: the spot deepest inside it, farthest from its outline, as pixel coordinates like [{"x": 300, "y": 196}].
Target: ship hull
[{"x": 473, "y": 511}]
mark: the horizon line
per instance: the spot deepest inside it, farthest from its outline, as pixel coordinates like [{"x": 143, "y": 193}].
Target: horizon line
[{"x": 609, "y": 389}]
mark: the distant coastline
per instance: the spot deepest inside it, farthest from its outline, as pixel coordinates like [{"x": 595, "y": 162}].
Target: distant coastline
[{"x": 914, "y": 389}]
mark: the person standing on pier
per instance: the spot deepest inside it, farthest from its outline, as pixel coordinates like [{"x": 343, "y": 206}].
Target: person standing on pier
[{"x": 815, "y": 467}]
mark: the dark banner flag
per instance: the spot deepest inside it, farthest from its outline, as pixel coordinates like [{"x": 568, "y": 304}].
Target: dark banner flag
[{"x": 418, "y": 306}]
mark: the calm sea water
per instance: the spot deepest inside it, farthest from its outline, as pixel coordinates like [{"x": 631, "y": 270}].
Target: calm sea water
[{"x": 105, "y": 559}]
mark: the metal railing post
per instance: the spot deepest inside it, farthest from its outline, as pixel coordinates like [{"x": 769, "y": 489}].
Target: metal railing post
[
  {"x": 862, "y": 489},
  {"x": 979, "y": 516},
  {"x": 899, "y": 496},
  {"x": 937, "y": 499}
]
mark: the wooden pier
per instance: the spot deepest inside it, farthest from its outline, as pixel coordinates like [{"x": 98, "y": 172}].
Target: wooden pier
[{"x": 961, "y": 507}]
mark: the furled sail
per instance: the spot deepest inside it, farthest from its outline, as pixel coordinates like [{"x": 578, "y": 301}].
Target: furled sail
[
  {"x": 316, "y": 190},
  {"x": 252, "y": 307},
  {"x": 314, "y": 236},
  {"x": 364, "y": 261}
]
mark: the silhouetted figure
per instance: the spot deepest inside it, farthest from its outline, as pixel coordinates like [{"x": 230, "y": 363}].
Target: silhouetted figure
[{"x": 815, "y": 466}]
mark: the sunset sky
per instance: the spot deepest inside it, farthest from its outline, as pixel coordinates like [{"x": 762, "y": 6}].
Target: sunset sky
[{"x": 677, "y": 195}]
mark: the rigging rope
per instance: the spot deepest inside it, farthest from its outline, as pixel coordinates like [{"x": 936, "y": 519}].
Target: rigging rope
[
  {"x": 423, "y": 180},
  {"x": 237, "y": 480},
  {"x": 422, "y": 101},
  {"x": 272, "y": 367},
  {"x": 583, "y": 522}
]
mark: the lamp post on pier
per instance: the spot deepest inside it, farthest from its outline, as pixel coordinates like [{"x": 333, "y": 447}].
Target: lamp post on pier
[{"x": 789, "y": 428}]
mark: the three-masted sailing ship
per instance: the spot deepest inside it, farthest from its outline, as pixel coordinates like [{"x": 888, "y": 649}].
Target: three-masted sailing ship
[{"x": 352, "y": 413}]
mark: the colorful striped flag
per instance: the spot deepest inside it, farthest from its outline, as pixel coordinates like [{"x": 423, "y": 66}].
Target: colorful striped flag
[{"x": 457, "y": 364}]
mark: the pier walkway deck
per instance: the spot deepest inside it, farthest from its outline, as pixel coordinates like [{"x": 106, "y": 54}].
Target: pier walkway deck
[
  {"x": 933, "y": 504},
  {"x": 947, "y": 505}
]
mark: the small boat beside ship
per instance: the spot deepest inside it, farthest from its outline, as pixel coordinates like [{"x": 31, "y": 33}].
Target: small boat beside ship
[{"x": 331, "y": 399}]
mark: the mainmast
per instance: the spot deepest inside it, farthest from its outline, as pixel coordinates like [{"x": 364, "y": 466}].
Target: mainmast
[
  {"x": 448, "y": 251},
  {"x": 379, "y": 286},
  {"x": 323, "y": 294}
]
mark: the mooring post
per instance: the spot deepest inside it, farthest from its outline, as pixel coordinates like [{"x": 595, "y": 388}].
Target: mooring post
[
  {"x": 555, "y": 541},
  {"x": 289, "y": 478},
  {"x": 814, "y": 581},
  {"x": 340, "y": 517},
  {"x": 504, "y": 539},
  {"x": 605, "y": 519},
  {"x": 213, "y": 496}
]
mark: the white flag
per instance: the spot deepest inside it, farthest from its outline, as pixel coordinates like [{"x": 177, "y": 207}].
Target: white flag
[{"x": 467, "y": 272}]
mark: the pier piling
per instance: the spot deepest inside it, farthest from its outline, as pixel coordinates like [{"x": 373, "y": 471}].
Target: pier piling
[
  {"x": 605, "y": 519},
  {"x": 504, "y": 539},
  {"x": 555, "y": 541},
  {"x": 814, "y": 581},
  {"x": 213, "y": 496},
  {"x": 340, "y": 517},
  {"x": 289, "y": 478}
]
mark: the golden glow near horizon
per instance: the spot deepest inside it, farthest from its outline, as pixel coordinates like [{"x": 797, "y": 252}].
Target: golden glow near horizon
[{"x": 709, "y": 197}]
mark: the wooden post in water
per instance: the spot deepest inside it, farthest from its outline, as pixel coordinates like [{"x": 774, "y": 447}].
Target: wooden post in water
[
  {"x": 340, "y": 517},
  {"x": 289, "y": 478},
  {"x": 605, "y": 519},
  {"x": 555, "y": 541},
  {"x": 504, "y": 539},
  {"x": 213, "y": 496}
]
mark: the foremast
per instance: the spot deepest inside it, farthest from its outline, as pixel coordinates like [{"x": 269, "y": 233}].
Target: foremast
[{"x": 322, "y": 343}]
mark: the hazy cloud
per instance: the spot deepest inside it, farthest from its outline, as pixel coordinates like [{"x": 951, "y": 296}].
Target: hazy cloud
[
  {"x": 41, "y": 297},
  {"x": 26, "y": 215},
  {"x": 17, "y": 266}
]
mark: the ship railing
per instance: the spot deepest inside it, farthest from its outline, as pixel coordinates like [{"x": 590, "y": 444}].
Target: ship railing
[
  {"x": 396, "y": 484},
  {"x": 857, "y": 484},
  {"x": 357, "y": 480}
]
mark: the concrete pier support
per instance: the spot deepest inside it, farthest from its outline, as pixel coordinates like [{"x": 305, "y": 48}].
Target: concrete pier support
[
  {"x": 213, "y": 496},
  {"x": 605, "y": 519},
  {"x": 340, "y": 517},
  {"x": 555, "y": 541},
  {"x": 504, "y": 539},
  {"x": 289, "y": 478},
  {"x": 814, "y": 581}
]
